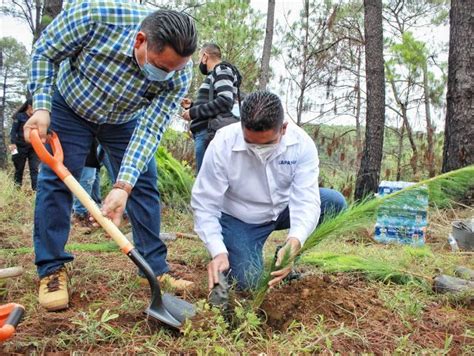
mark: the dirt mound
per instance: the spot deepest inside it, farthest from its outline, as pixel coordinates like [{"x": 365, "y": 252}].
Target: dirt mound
[{"x": 353, "y": 303}]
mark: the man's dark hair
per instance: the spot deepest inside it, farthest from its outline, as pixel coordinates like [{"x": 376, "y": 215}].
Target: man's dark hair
[
  {"x": 173, "y": 28},
  {"x": 212, "y": 50},
  {"x": 262, "y": 111}
]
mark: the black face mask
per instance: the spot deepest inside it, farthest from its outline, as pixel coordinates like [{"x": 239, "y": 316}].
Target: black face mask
[{"x": 203, "y": 68}]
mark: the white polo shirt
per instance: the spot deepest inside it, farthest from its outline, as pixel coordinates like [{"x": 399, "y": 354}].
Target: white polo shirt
[{"x": 234, "y": 181}]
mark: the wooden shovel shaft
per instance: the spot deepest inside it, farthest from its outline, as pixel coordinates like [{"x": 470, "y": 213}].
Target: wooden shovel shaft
[
  {"x": 55, "y": 162},
  {"x": 94, "y": 210}
]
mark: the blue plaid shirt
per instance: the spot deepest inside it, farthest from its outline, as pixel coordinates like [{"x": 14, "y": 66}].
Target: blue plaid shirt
[{"x": 87, "y": 52}]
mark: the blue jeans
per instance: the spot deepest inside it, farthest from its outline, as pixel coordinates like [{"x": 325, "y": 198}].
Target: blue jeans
[
  {"x": 95, "y": 192},
  {"x": 108, "y": 166},
  {"x": 200, "y": 146},
  {"x": 244, "y": 242},
  {"x": 88, "y": 178},
  {"x": 54, "y": 200}
]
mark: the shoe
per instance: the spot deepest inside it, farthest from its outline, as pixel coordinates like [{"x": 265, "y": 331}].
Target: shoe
[
  {"x": 53, "y": 291},
  {"x": 77, "y": 219},
  {"x": 178, "y": 284},
  {"x": 171, "y": 282},
  {"x": 83, "y": 221}
]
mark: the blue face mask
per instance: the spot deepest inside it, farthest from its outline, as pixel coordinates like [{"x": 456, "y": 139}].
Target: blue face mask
[{"x": 154, "y": 73}]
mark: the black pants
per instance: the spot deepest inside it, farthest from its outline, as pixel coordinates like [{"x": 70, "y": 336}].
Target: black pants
[{"x": 26, "y": 152}]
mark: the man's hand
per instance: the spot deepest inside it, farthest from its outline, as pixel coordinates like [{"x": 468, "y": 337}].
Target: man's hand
[
  {"x": 114, "y": 205},
  {"x": 186, "y": 103},
  {"x": 292, "y": 245},
  {"x": 186, "y": 116},
  {"x": 39, "y": 120},
  {"x": 12, "y": 147},
  {"x": 220, "y": 263}
]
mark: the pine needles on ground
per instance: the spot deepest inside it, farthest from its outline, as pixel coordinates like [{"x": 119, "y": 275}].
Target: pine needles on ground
[
  {"x": 442, "y": 189},
  {"x": 372, "y": 268}
]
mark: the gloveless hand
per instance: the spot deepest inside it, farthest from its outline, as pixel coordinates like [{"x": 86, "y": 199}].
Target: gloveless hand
[
  {"x": 186, "y": 115},
  {"x": 40, "y": 120},
  {"x": 292, "y": 245},
  {"x": 114, "y": 205},
  {"x": 186, "y": 103},
  {"x": 220, "y": 263}
]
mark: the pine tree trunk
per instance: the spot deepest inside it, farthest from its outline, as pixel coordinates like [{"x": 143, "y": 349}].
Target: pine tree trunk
[
  {"x": 3, "y": 147},
  {"x": 403, "y": 108},
  {"x": 300, "y": 101},
  {"x": 429, "y": 125},
  {"x": 44, "y": 15},
  {"x": 358, "y": 104},
  {"x": 400, "y": 151},
  {"x": 369, "y": 172},
  {"x": 458, "y": 148},
  {"x": 267, "y": 46}
]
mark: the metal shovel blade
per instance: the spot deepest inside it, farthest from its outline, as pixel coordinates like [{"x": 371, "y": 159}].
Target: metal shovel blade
[
  {"x": 172, "y": 311},
  {"x": 166, "y": 308}
]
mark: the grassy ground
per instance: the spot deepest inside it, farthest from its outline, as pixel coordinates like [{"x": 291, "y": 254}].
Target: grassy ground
[{"x": 322, "y": 313}]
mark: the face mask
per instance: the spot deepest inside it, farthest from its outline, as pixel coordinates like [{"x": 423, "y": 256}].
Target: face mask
[
  {"x": 263, "y": 152},
  {"x": 154, "y": 73},
  {"x": 203, "y": 68}
]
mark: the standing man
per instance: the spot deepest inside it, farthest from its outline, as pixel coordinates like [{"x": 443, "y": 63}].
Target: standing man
[
  {"x": 257, "y": 177},
  {"x": 215, "y": 97},
  {"x": 116, "y": 72}
]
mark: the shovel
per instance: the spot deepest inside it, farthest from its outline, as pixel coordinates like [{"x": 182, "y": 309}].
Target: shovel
[
  {"x": 10, "y": 316},
  {"x": 166, "y": 308}
]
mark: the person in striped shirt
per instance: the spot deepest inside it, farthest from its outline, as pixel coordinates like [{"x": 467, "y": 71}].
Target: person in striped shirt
[
  {"x": 222, "y": 81},
  {"x": 116, "y": 72}
]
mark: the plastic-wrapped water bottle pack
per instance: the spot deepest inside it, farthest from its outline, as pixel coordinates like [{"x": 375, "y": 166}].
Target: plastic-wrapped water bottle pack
[{"x": 404, "y": 219}]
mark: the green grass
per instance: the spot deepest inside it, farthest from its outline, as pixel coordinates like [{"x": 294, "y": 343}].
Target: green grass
[
  {"x": 106, "y": 315},
  {"x": 74, "y": 247}
]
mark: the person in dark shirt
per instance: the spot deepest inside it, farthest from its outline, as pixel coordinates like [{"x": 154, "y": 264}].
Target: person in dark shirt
[
  {"x": 20, "y": 150},
  {"x": 224, "y": 82}
]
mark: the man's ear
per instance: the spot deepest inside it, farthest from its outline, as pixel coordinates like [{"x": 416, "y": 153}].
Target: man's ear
[
  {"x": 139, "y": 39},
  {"x": 283, "y": 128}
]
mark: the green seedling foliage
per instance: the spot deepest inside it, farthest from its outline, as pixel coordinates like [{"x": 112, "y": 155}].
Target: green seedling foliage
[
  {"x": 376, "y": 269},
  {"x": 175, "y": 180},
  {"x": 442, "y": 188}
]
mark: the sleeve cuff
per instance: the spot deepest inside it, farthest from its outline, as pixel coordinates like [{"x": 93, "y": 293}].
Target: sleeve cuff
[
  {"x": 130, "y": 178},
  {"x": 216, "y": 247},
  {"x": 42, "y": 101},
  {"x": 300, "y": 234}
]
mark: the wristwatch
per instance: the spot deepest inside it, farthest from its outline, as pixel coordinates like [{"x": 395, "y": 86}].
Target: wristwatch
[{"x": 124, "y": 186}]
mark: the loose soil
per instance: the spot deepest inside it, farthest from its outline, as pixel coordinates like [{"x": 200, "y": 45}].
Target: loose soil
[{"x": 352, "y": 302}]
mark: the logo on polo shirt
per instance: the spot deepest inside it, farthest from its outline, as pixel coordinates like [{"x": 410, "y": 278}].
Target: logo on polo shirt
[{"x": 284, "y": 161}]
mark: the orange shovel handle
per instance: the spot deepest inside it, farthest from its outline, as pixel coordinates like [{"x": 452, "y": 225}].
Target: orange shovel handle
[
  {"x": 55, "y": 161},
  {"x": 10, "y": 316}
]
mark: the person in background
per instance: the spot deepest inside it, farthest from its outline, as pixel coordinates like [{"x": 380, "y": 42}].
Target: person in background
[
  {"x": 258, "y": 176},
  {"x": 21, "y": 150},
  {"x": 90, "y": 181},
  {"x": 216, "y": 96}
]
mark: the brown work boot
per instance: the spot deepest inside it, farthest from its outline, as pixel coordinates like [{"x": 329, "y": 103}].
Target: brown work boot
[
  {"x": 178, "y": 284},
  {"x": 83, "y": 222},
  {"x": 171, "y": 282},
  {"x": 77, "y": 219},
  {"x": 53, "y": 291}
]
